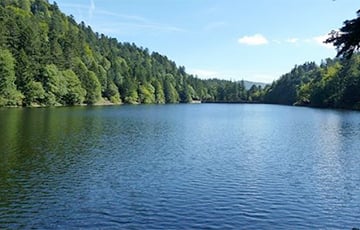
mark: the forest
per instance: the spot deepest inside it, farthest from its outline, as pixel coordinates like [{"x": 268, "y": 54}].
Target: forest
[
  {"x": 333, "y": 84},
  {"x": 48, "y": 59}
]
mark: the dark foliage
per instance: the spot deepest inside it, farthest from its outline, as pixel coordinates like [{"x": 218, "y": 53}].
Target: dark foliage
[{"x": 347, "y": 39}]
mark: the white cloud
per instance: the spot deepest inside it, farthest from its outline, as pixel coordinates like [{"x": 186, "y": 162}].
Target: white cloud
[
  {"x": 320, "y": 40},
  {"x": 292, "y": 40},
  {"x": 254, "y": 40}
]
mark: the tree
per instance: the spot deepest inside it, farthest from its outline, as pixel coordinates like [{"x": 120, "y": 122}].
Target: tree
[
  {"x": 54, "y": 84},
  {"x": 347, "y": 39},
  {"x": 9, "y": 95},
  {"x": 35, "y": 93},
  {"x": 112, "y": 93},
  {"x": 159, "y": 92},
  {"x": 171, "y": 95},
  {"x": 25, "y": 5},
  {"x": 57, "y": 61},
  {"x": 75, "y": 93},
  {"x": 350, "y": 76},
  {"x": 147, "y": 93},
  {"x": 129, "y": 91},
  {"x": 255, "y": 93},
  {"x": 92, "y": 87}
]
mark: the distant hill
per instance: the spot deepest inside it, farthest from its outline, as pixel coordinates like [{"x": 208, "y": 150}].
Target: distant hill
[{"x": 248, "y": 84}]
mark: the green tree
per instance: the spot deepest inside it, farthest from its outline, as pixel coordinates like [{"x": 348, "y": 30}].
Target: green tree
[
  {"x": 35, "y": 94},
  {"x": 255, "y": 93},
  {"x": 25, "y": 5},
  {"x": 129, "y": 91},
  {"x": 93, "y": 88},
  {"x": 170, "y": 93},
  {"x": 100, "y": 73},
  {"x": 89, "y": 82},
  {"x": 112, "y": 93},
  {"x": 54, "y": 85},
  {"x": 9, "y": 95},
  {"x": 75, "y": 93},
  {"x": 58, "y": 61},
  {"x": 159, "y": 92},
  {"x": 147, "y": 93},
  {"x": 350, "y": 75},
  {"x": 347, "y": 39}
]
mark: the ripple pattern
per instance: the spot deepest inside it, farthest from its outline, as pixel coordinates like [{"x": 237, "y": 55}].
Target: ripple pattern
[{"x": 179, "y": 167}]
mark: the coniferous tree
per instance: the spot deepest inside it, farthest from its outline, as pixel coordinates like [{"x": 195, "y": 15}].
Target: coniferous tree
[
  {"x": 9, "y": 95},
  {"x": 347, "y": 39}
]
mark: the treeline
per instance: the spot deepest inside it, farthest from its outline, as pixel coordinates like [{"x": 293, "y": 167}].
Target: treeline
[
  {"x": 333, "y": 84},
  {"x": 47, "y": 59}
]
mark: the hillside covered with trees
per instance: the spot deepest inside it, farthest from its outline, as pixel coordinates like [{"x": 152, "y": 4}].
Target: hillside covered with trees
[
  {"x": 335, "y": 84},
  {"x": 48, "y": 59}
]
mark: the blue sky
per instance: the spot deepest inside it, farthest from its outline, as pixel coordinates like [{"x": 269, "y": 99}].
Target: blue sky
[{"x": 257, "y": 40}]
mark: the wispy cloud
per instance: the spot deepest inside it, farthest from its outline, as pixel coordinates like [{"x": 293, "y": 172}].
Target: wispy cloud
[
  {"x": 92, "y": 8},
  {"x": 75, "y": 5},
  {"x": 276, "y": 41},
  {"x": 117, "y": 23},
  {"x": 315, "y": 40},
  {"x": 131, "y": 22},
  {"x": 211, "y": 10},
  {"x": 214, "y": 25},
  {"x": 122, "y": 28},
  {"x": 292, "y": 40},
  {"x": 123, "y": 16},
  {"x": 254, "y": 40}
]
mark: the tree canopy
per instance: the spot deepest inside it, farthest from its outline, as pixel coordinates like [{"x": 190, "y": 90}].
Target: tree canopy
[
  {"x": 49, "y": 59},
  {"x": 335, "y": 84},
  {"x": 347, "y": 39}
]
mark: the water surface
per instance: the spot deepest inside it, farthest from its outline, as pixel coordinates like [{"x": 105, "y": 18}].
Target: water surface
[{"x": 207, "y": 166}]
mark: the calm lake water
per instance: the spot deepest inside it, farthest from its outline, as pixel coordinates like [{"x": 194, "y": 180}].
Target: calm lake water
[{"x": 206, "y": 166}]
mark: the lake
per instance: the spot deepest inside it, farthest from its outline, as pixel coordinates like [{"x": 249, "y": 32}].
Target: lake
[{"x": 187, "y": 166}]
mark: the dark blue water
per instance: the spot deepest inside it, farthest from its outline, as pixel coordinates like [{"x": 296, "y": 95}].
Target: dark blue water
[{"x": 179, "y": 167}]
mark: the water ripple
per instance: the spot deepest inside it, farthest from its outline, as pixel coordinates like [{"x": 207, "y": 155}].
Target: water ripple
[{"x": 179, "y": 167}]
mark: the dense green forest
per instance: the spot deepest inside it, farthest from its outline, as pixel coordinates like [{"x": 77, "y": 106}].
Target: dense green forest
[
  {"x": 335, "y": 83},
  {"x": 48, "y": 59}
]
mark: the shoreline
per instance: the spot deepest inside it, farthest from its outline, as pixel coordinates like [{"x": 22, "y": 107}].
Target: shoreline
[{"x": 108, "y": 103}]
